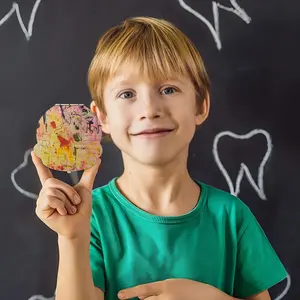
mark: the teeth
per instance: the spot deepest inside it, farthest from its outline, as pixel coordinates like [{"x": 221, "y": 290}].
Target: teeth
[{"x": 244, "y": 170}]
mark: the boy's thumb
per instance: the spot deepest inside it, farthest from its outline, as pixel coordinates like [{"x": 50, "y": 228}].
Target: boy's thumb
[{"x": 88, "y": 176}]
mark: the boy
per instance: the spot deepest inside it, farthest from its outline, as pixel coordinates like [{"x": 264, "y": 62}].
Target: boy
[{"x": 153, "y": 232}]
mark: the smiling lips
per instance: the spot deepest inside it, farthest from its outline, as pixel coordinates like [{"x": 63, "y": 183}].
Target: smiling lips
[{"x": 154, "y": 132}]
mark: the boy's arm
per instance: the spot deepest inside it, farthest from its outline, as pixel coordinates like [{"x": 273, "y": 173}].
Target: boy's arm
[
  {"x": 74, "y": 280},
  {"x": 258, "y": 267}
]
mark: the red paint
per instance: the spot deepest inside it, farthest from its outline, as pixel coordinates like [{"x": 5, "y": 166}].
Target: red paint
[
  {"x": 53, "y": 124},
  {"x": 63, "y": 142}
]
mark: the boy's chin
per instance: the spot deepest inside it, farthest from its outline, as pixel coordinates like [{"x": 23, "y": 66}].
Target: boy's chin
[
  {"x": 155, "y": 159},
  {"x": 156, "y": 156}
]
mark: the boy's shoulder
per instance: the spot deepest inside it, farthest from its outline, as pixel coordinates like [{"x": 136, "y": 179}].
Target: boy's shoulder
[
  {"x": 102, "y": 191},
  {"x": 228, "y": 208},
  {"x": 103, "y": 195},
  {"x": 216, "y": 198},
  {"x": 104, "y": 202}
]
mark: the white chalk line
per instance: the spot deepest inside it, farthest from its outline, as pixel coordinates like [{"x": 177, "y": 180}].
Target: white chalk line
[
  {"x": 40, "y": 297},
  {"x": 16, "y": 170},
  {"x": 215, "y": 29},
  {"x": 16, "y": 9},
  {"x": 287, "y": 287},
  {"x": 259, "y": 187}
]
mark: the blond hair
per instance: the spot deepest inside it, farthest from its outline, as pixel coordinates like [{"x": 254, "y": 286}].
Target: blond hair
[{"x": 156, "y": 46}]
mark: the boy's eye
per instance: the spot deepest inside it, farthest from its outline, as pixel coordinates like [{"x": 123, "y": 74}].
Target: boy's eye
[
  {"x": 126, "y": 95},
  {"x": 168, "y": 90}
]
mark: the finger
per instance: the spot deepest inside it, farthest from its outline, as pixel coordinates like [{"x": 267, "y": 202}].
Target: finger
[
  {"x": 89, "y": 175},
  {"x": 69, "y": 191},
  {"x": 43, "y": 172},
  {"x": 71, "y": 209},
  {"x": 51, "y": 203},
  {"x": 143, "y": 290}
]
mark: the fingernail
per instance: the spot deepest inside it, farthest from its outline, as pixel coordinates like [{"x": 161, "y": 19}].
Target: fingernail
[
  {"x": 76, "y": 199},
  {"x": 73, "y": 209},
  {"x": 121, "y": 295}
]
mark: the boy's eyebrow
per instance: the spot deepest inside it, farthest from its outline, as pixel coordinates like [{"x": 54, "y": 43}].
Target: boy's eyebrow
[
  {"x": 176, "y": 79},
  {"x": 117, "y": 84}
]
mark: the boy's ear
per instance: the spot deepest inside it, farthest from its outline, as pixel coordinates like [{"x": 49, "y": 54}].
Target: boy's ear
[
  {"x": 202, "y": 111},
  {"x": 101, "y": 116}
]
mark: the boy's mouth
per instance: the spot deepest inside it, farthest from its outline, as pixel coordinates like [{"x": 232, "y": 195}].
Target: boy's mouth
[{"x": 153, "y": 132}]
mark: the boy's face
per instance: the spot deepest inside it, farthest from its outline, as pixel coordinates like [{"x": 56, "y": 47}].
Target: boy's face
[{"x": 150, "y": 122}]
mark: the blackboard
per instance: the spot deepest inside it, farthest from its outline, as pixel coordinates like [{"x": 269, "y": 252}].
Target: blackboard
[{"x": 249, "y": 146}]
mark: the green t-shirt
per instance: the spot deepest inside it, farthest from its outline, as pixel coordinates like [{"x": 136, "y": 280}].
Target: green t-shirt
[{"x": 219, "y": 242}]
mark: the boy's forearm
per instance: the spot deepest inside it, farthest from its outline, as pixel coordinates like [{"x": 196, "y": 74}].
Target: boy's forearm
[{"x": 74, "y": 280}]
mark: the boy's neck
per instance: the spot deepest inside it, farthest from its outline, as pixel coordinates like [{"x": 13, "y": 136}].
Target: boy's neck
[{"x": 166, "y": 190}]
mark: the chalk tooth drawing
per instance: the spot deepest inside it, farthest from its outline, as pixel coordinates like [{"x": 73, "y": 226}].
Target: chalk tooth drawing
[
  {"x": 215, "y": 29},
  {"x": 244, "y": 170},
  {"x": 16, "y": 9}
]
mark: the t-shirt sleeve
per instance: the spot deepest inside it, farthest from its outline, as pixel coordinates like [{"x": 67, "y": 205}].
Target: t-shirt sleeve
[
  {"x": 96, "y": 255},
  {"x": 258, "y": 267}
]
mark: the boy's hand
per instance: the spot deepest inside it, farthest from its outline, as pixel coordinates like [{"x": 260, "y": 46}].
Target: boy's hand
[
  {"x": 63, "y": 208},
  {"x": 174, "y": 289}
]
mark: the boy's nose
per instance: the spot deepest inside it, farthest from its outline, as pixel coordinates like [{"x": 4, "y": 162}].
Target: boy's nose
[
  {"x": 151, "y": 107},
  {"x": 151, "y": 111},
  {"x": 151, "y": 116}
]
